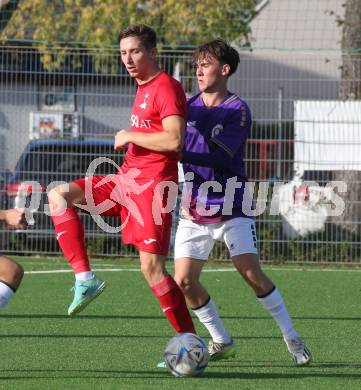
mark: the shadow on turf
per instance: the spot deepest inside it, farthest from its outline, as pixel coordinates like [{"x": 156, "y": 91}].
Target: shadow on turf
[
  {"x": 110, "y": 336},
  {"x": 82, "y": 317},
  {"x": 337, "y": 365},
  {"x": 118, "y": 374},
  {"x": 77, "y": 336},
  {"x": 303, "y": 375},
  {"x": 137, "y": 317},
  {"x": 281, "y": 364}
]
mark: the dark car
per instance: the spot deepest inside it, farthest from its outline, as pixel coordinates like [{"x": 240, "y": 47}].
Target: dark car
[
  {"x": 47, "y": 161},
  {"x": 4, "y": 178}
]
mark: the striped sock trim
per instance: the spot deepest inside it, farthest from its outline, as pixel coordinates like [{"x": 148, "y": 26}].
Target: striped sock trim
[
  {"x": 204, "y": 304},
  {"x": 267, "y": 294},
  {"x": 9, "y": 285}
]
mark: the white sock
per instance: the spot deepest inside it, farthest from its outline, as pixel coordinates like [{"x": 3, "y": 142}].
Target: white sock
[
  {"x": 274, "y": 304},
  {"x": 209, "y": 317},
  {"x": 84, "y": 275},
  {"x": 5, "y": 294}
]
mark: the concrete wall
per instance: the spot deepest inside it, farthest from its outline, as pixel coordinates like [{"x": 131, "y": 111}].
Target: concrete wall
[
  {"x": 298, "y": 25},
  {"x": 103, "y": 110},
  {"x": 296, "y": 47},
  {"x": 16, "y": 103},
  {"x": 300, "y": 76}
]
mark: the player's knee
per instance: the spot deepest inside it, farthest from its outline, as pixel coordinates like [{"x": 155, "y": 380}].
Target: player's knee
[
  {"x": 54, "y": 194},
  {"x": 255, "y": 277},
  {"x": 249, "y": 274},
  {"x": 145, "y": 270},
  {"x": 185, "y": 283},
  {"x": 58, "y": 197},
  {"x": 150, "y": 270},
  {"x": 16, "y": 275},
  {"x": 152, "y": 267},
  {"x": 11, "y": 272}
]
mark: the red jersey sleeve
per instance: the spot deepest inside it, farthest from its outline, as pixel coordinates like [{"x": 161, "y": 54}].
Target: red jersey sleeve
[{"x": 171, "y": 99}]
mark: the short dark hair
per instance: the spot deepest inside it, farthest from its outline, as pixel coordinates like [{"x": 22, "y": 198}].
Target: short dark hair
[
  {"x": 221, "y": 50},
  {"x": 146, "y": 35}
]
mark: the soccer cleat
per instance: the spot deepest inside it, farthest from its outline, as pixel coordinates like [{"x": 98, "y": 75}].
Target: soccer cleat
[
  {"x": 219, "y": 351},
  {"x": 84, "y": 292},
  {"x": 299, "y": 351}
]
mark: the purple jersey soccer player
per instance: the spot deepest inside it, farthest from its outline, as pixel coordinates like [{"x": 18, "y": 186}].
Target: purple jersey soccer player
[
  {"x": 218, "y": 126},
  {"x": 214, "y": 152}
]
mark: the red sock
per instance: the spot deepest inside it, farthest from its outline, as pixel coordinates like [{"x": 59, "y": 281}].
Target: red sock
[
  {"x": 173, "y": 304},
  {"x": 70, "y": 235}
]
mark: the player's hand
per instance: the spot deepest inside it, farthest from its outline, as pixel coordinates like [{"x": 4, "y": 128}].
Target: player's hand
[
  {"x": 15, "y": 218},
  {"x": 121, "y": 139}
]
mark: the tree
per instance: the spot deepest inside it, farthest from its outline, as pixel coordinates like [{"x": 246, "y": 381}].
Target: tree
[
  {"x": 7, "y": 7},
  {"x": 350, "y": 89},
  {"x": 96, "y": 24}
]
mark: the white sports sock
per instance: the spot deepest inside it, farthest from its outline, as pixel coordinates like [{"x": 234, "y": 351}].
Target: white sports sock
[
  {"x": 5, "y": 294},
  {"x": 274, "y": 304},
  {"x": 84, "y": 275},
  {"x": 209, "y": 317}
]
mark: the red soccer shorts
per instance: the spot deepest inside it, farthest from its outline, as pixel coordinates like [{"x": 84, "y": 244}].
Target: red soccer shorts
[{"x": 138, "y": 204}]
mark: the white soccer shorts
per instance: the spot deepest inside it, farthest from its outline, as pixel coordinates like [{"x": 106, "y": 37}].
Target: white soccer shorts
[{"x": 196, "y": 241}]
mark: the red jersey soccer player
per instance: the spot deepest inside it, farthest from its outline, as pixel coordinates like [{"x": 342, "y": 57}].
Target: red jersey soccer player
[{"x": 157, "y": 128}]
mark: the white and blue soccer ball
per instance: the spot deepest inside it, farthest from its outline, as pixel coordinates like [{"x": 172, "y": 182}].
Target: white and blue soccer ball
[{"x": 186, "y": 355}]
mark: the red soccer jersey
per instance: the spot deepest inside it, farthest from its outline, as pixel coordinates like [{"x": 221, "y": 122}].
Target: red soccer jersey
[{"x": 155, "y": 100}]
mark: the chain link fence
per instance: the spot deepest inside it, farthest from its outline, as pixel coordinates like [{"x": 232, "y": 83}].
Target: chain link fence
[{"x": 53, "y": 124}]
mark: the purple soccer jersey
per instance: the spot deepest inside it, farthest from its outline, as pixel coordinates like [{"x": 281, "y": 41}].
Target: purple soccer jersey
[{"x": 213, "y": 151}]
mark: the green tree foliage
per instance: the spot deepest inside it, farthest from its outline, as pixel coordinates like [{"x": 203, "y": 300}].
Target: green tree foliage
[
  {"x": 7, "y": 7},
  {"x": 61, "y": 24}
]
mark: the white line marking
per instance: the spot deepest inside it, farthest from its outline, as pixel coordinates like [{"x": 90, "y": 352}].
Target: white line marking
[
  {"x": 59, "y": 271},
  {"x": 64, "y": 271}
]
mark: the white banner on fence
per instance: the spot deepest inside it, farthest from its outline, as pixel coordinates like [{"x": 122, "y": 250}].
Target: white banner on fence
[{"x": 327, "y": 135}]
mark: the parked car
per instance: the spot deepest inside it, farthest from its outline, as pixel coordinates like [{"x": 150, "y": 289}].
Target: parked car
[
  {"x": 47, "y": 161},
  {"x": 4, "y": 178}
]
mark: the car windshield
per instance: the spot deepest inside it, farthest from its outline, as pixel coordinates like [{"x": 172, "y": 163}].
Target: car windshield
[
  {"x": 320, "y": 177},
  {"x": 63, "y": 163}
]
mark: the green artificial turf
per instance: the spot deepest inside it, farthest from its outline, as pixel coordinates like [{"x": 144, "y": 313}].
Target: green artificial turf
[{"x": 116, "y": 342}]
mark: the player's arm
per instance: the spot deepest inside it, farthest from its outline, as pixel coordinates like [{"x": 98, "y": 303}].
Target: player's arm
[
  {"x": 168, "y": 140},
  {"x": 217, "y": 158},
  {"x": 224, "y": 145}
]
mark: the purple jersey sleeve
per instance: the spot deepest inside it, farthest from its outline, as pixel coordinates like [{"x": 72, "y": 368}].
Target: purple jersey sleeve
[
  {"x": 219, "y": 158},
  {"x": 235, "y": 130}
]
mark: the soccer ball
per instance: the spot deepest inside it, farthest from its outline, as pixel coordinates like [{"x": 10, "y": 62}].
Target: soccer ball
[{"x": 186, "y": 355}]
